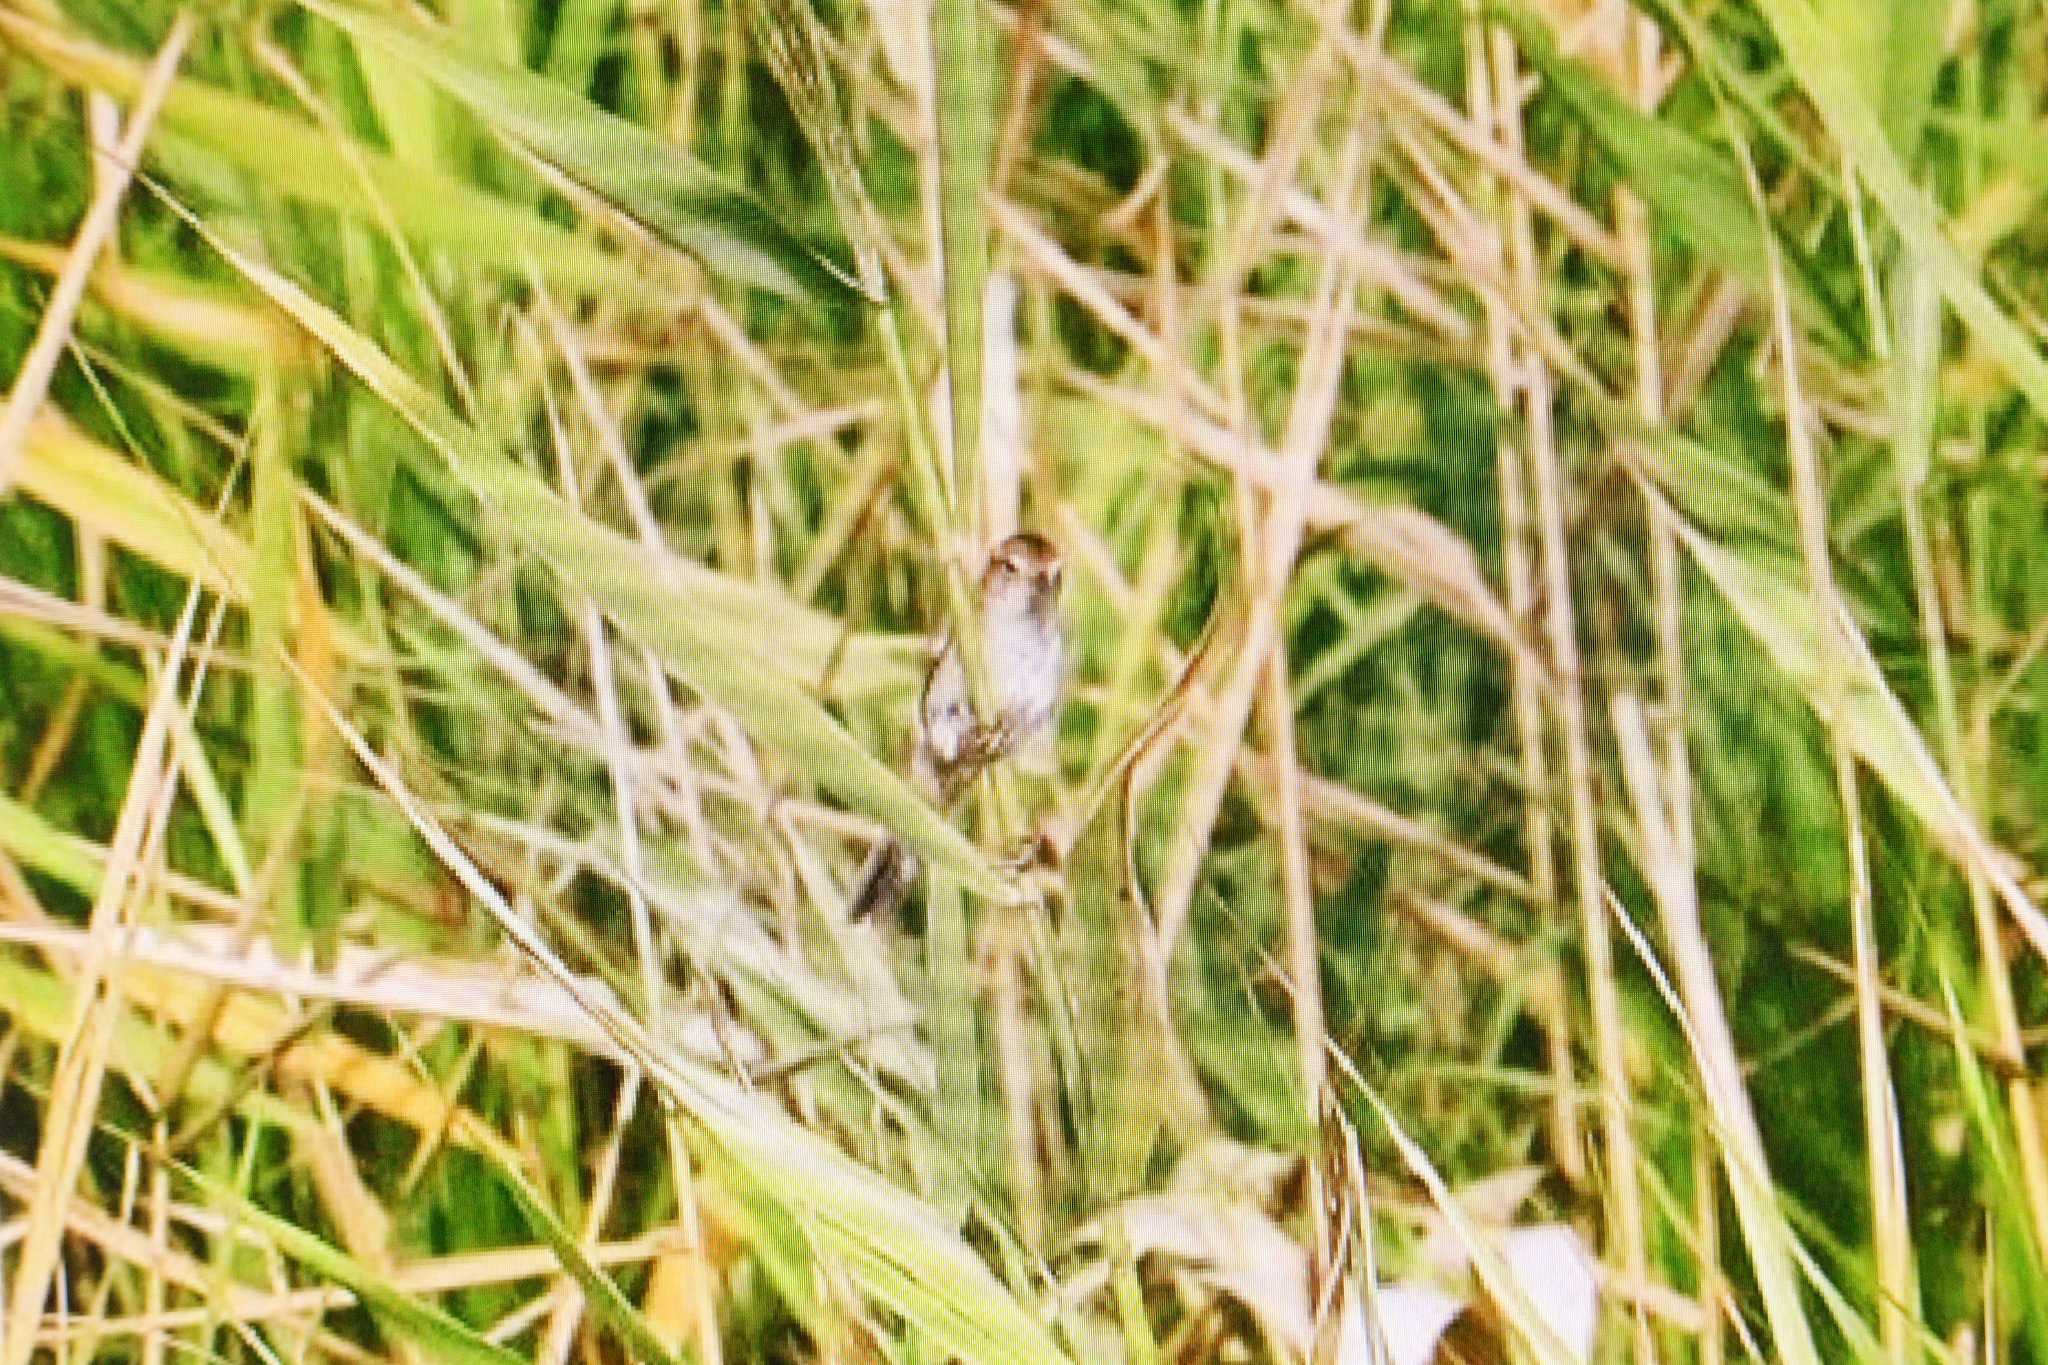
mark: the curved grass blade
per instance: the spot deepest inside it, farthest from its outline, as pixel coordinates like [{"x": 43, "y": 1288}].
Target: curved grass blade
[
  {"x": 599, "y": 1290},
  {"x": 1769, "y": 599},
  {"x": 66, "y": 469},
  {"x": 292, "y": 157},
  {"x": 1830, "y": 82},
  {"x": 1692, "y": 184},
  {"x": 650, "y": 180},
  {"x": 440, "y": 1335},
  {"x": 894, "y": 1245},
  {"x": 649, "y": 597}
]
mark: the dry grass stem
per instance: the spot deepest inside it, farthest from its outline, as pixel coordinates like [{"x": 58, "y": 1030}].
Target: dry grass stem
[{"x": 32, "y": 380}]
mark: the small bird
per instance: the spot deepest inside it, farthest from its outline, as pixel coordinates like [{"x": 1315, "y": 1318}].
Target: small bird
[{"x": 1026, "y": 658}]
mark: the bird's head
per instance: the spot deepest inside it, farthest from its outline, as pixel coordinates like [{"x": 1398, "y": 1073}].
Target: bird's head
[{"x": 1024, "y": 572}]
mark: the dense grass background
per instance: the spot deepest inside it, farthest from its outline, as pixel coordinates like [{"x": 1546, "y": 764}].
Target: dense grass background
[{"x": 1555, "y": 768}]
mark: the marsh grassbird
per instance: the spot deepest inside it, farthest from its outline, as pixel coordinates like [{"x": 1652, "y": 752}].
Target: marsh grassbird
[{"x": 1026, "y": 658}]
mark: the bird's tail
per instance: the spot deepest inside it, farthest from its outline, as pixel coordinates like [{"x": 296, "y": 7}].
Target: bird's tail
[{"x": 884, "y": 880}]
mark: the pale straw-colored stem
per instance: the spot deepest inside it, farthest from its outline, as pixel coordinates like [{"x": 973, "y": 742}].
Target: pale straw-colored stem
[
  {"x": 1898, "y": 1293},
  {"x": 1503, "y": 363},
  {"x": 1624, "y": 1208}
]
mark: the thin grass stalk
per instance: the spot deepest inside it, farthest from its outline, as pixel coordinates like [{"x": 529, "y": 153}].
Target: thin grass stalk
[
  {"x": 956, "y": 1046},
  {"x": 1631, "y": 226},
  {"x": 273, "y": 804},
  {"x": 1713, "y": 1284},
  {"x": 82, "y": 1058},
  {"x": 936, "y": 504},
  {"x": 431, "y": 314},
  {"x": 1139, "y": 1343},
  {"x": 1141, "y": 604},
  {"x": 1269, "y": 552},
  {"x": 1302, "y": 957},
  {"x": 1294, "y": 121},
  {"x": 1898, "y": 1293},
  {"x": 612, "y": 443},
  {"x": 1624, "y": 1197},
  {"x": 947, "y": 948},
  {"x": 710, "y": 1351},
  {"x": 92, "y": 571},
  {"x": 617, "y": 746},
  {"x": 1016, "y": 1080},
  {"x": 154, "y": 1288},
  {"x": 790, "y": 38},
  {"x": 680, "y": 125},
  {"x": 1667, "y": 585},
  {"x": 1491, "y": 50},
  {"x": 1505, "y": 1290},
  {"x": 1478, "y": 137},
  {"x": 1705, "y": 1019},
  {"x": 1014, "y": 127},
  {"x": 1915, "y": 319},
  {"x": 1916, "y": 309},
  {"x": 561, "y": 1329}
]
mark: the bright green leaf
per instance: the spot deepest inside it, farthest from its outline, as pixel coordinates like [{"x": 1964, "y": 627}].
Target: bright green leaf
[{"x": 650, "y": 180}]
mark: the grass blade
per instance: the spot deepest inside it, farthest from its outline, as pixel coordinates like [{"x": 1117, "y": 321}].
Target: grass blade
[
  {"x": 66, "y": 469},
  {"x": 1831, "y": 83},
  {"x": 650, "y": 180},
  {"x": 964, "y": 112},
  {"x": 406, "y": 1314},
  {"x": 1693, "y": 185},
  {"x": 294, "y": 158},
  {"x": 1769, "y": 599}
]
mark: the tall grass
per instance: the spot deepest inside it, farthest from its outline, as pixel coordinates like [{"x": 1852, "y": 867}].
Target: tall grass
[{"x": 1540, "y": 859}]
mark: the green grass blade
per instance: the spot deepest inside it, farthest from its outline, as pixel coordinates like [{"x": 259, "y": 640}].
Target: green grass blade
[
  {"x": 441, "y": 1336},
  {"x": 650, "y": 180},
  {"x": 1117, "y": 1108},
  {"x": 956, "y": 1045},
  {"x": 1771, "y": 600},
  {"x": 1831, "y": 83},
  {"x": 294, "y": 158},
  {"x": 1893, "y": 49},
  {"x": 964, "y": 113},
  {"x": 599, "y": 1291},
  {"x": 110, "y": 496},
  {"x": 40, "y": 846},
  {"x": 895, "y": 1245},
  {"x": 1693, "y": 185},
  {"x": 1913, "y": 54}
]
